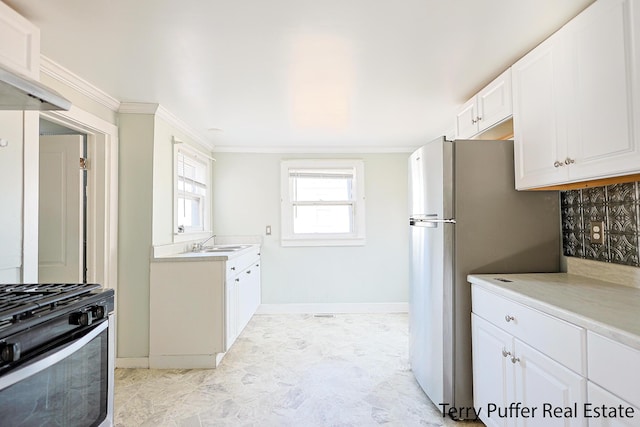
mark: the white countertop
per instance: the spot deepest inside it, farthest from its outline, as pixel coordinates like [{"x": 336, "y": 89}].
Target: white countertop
[
  {"x": 606, "y": 308},
  {"x": 204, "y": 256}
]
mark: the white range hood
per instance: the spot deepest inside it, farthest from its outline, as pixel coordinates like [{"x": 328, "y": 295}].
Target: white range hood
[{"x": 18, "y": 92}]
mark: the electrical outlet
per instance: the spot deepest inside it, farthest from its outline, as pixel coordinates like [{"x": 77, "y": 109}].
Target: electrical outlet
[
  {"x": 596, "y": 229},
  {"x": 267, "y": 230}
]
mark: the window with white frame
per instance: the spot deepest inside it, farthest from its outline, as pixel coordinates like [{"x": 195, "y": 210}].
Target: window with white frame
[
  {"x": 191, "y": 191},
  {"x": 322, "y": 202}
]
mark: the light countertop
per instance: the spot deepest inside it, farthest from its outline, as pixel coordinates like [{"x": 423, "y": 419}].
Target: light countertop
[
  {"x": 205, "y": 256},
  {"x": 606, "y": 308}
]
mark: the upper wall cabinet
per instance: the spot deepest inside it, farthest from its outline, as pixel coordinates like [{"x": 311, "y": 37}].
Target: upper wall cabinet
[
  {"x": 576, "y": 110},
  {"x": 20, "y": 47},
  {"x": 490, "y": 106}
]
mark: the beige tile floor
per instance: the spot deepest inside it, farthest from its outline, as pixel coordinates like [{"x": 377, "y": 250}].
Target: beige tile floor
[{"x": 290, "y": 370}]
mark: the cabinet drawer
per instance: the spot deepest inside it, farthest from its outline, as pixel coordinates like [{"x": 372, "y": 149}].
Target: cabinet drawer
[
  {"x": 554, "y": 337},
  {"x": 613, "y": 366},
  {"x": 241, "y": 263}
]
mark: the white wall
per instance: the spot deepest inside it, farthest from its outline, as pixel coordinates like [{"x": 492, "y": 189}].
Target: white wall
[
  {"x": 247, "y": 198},
  {"x": 145, "y": 219},
  {"x": 134, "y": 233}
]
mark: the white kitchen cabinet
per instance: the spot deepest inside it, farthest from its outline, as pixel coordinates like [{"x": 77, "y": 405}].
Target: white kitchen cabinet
[
  {"x": 198, "y": 308},
  {"x": 20, "y": 47},
  {"x": 611, "y": 415},
  {"x": 507, "y": 369},
  {"x": 493, "y": 373},
  {"x": 576, "y": 99},
  {"x": 492, "y": 105},
  {"x": 243, "y": 295},
  {"x": 613, "y": 366}
]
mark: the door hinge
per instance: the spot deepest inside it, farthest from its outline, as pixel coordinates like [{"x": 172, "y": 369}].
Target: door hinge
[{"x": 84, "y": 164}]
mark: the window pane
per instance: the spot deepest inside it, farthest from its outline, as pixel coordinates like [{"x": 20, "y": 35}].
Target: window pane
[
  {"x": 322, "y": 219},
  {"x": 327, "y": 188},
  {"x": 189, "y": 212}
]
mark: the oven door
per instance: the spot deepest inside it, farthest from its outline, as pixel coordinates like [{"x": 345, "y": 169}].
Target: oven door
[{"x": 70, "y": 385}]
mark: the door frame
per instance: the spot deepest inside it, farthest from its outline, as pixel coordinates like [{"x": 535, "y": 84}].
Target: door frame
[{"x": 102, "y": 208}]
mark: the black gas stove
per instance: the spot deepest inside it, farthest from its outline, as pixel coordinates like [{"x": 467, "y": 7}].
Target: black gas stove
[{"x": 33, "y": 317}]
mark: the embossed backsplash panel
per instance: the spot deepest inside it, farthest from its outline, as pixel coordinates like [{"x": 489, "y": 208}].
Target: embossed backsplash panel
[{"x": 618, "y": 206}]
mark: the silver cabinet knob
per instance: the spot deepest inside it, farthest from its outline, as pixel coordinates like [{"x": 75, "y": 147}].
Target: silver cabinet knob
[
  {"x": 514, "y": 359},
  {"x": 557, "y": 164},
  {"x": 569, "y": 161},
  {"x": 474, "y": 121},
  {"x": 478, "y": 118},
  {"x": 509, "y": 318},
  {"x": 505, "y": 353}
]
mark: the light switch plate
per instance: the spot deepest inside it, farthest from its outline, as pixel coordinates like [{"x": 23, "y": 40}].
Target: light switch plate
[
  {"x": 596, "y": 230},
  {"x": 267, "y": 230}
]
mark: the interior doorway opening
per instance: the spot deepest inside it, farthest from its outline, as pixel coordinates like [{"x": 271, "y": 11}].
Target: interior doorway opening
[{"x": 63, "y": 202}]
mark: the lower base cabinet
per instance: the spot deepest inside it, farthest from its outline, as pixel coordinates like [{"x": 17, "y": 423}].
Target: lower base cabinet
[
  {"x": 533, "y": 369},
  {"x": 199, "y": 308},
  {"x": 515, "y": 384}
]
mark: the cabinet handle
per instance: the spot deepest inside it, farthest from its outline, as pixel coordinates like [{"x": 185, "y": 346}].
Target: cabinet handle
[
  {"x": 478, "y": 118},
  {"x": 514, "y": 359},
  {"x": 474, "y": 121},
  {"x": 505, "y": 353},
  {"x": 248, "y": 271},
  {"x": 509, "y": 318},
  {"x": 233, "y": 268},
  {"x": 569, "y": 161},
  {"x": 237, "y": 279},
  {"x": 557, "y": 164}
]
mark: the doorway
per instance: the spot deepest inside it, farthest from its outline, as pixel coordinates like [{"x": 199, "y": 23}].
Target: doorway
[{"x": 62, "y": 223}]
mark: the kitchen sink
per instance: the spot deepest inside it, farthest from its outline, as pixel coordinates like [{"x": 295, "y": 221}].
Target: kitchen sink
[{"x": 223, "y": 248}]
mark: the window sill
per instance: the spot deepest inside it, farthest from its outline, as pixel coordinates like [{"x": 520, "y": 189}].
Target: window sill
[{"x": 318, "y": 242}]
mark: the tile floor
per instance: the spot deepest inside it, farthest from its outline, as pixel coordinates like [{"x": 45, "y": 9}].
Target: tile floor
[{"x": 290, "y": 370}]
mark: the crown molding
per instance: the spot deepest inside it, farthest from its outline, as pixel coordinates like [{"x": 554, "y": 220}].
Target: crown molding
[
  {"x": 68, "y": 78},
  {"x": 161, "y": 112},
  {"x": 170, "y": 118},
  {"x": 313, "y": 149},
  {"x": 138, "y": 108}
]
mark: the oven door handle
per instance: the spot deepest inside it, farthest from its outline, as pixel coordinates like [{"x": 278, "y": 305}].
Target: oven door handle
[{"x": 56, "y": 355}]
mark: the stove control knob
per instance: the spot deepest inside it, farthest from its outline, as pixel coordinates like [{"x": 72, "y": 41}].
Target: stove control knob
[
  {"x": 98, "y": 311},
  {"x": 81, "y": 318},
  {"x": 10, "y": 352}
]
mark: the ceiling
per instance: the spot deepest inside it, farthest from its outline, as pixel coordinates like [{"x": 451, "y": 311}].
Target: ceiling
[{"x": 334, "y": 75}]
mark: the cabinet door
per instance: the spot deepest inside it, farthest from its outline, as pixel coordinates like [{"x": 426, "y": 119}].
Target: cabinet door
[
  {"x": 466, "y": 120},
  {"x": 542, "y": 383},
  {"x": 605, "y": 85},
  {"x": 231, "y": 311},
  {"x": 597, "y": 397},
  {"x": 492, "y": 369},
  {"x": 495, "y": 102},
  {"x": 20, "y": 47},
  {"x": 539, "y": 124},
  {"x": 247, "y": 286}
]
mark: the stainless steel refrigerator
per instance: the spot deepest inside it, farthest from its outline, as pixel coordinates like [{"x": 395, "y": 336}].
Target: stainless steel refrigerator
[{"x": 466, "y": 217}]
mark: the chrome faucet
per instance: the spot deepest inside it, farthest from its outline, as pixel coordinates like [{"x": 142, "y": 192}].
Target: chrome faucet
[{"x": 199, "y": 246}]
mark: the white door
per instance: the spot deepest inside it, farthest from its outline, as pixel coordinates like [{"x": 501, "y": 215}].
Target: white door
[{"x": 60, "y": 212}]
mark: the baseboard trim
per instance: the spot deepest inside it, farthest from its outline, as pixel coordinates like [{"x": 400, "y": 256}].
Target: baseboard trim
[
  {"x": 189, "y": 361},
  {"x": 132, "y": 362},
  {"x": 391, "y": 307}
]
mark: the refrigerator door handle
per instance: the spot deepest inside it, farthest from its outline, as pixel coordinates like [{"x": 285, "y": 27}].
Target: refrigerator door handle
[{"x": 429, "y": 223}]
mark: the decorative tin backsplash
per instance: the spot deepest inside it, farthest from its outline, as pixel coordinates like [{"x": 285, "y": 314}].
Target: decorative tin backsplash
[{"x": 618, "y": 207}]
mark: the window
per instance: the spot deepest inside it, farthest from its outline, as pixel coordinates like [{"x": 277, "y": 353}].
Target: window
[
  {"x": 322, "y": 202},
  {"x": 191, "y": 193}
]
